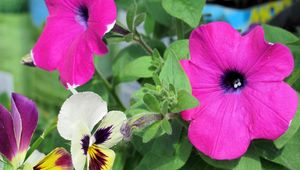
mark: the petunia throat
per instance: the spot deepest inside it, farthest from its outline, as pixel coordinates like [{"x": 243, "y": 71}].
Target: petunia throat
[
  {"x": 83, "y": 15},
  {"x": 233, "y": 81}
]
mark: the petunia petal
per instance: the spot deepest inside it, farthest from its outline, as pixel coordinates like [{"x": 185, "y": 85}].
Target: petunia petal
[
  {"x": 275, "y": 106},
  {"x": 252, "y": 46},
  {"x": 77, "y": 67},
  {"x": 102, "y": 22},
  {"x": 108, "y": 133},
  {"x": 220, "y": 129},
  {"x": 100, "y": 158},
  {"x": 60, "y": 8},
  {"x": 86, "y": 107},
  {"x": 79, "y": 146},
  {"x": 29, "y": 116},
  {"x": 277, "y": 60},
  {"x": 215, "y": 48},
  {"x": 8, "y": 144},
  {"x": 54, "y": 42},
  {"x": 208, "y": 83},
  {"x": 58, "y": 159}
]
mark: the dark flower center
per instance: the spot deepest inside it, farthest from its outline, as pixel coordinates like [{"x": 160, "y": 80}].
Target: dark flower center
[
  {"x": 232, "y": 81},
  {"x": 83, "y": 15},
  {"x": 85, "y": 143}
]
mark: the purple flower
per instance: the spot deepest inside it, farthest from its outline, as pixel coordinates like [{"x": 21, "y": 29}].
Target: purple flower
[
  {"x": 17, "y": 127},
  {"x": 16, "y": 130}
]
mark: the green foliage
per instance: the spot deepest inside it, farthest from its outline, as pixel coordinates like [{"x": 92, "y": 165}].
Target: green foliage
[
  {"x": 172, "y": 73},
  {"x": 164, "y": 152},
  {"x": 4, "y": 100},
  {"x": 276, "y": 34},
  {"x": 190, "y": 11},
  {"x": 185, "y": 101}
]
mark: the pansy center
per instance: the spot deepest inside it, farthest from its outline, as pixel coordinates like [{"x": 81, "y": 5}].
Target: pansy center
[
  {"x": 83, "y": 15},
  {"x": 232, "y": 81}
]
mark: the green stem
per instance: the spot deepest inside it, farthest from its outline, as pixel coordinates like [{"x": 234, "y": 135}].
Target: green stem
[
  {"x": 179, "y": 29},
  {"x": 138, "y": 38},
  {"x": 38, "y": 142},
  {"x": 112, "y": 91}
]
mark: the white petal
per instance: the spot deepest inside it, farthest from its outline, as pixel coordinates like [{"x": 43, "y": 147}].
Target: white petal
[
  {"x": 86, "y": 107},
  {"x": 114, "y": 119},
  {"x": 35, "y": 158},
  {"x": 77, "y": 153}
]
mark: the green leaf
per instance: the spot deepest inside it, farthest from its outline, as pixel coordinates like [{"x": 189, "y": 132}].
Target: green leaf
[
  {"x": 190, "y": 11},
  {"x": 140, "y": 18},
  {"x": 180, "y": 49},
  {"x": 276, "y": 34},
  {"x": 166, "y": 126},
  {"x": 155, "y": 10},
  {"x": 185, "y": 101},
  {"x": 167, "y": 151},
  {"x": 130, "y": 17},
  {"x": 268, "y": 165},
  {"x": 124, "y": 57},
  {"x": 249, "y": 161},
  {"x": 289, "y": 156},
  {"x": 226, "y": 164},
  {"x": 138, "y": 68},
  {"x": 151, "y": 132},
  {"x": 294, "y": 127},
  {"x": 172, "y": 73},
  {"x": 152, "y": 103}
]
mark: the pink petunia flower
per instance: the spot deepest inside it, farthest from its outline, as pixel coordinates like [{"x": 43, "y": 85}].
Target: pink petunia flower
[
  {"x": 239, "y": 83},
  {"x": 73, "y": 33}
]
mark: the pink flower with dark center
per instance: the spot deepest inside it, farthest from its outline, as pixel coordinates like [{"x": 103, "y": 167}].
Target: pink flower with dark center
[
  {"x": 73, "y": 33},
  {"x": 238, "y": 81}
]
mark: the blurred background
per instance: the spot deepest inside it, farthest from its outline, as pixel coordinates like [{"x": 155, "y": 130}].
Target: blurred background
[{"x": 21, "y": 22}]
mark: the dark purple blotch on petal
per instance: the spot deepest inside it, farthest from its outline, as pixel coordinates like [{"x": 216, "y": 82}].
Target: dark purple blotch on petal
[
  {"x": 98, "y": 160},
  {"x": 102, "y": 134},
  {"x": 85, "y": 143}
]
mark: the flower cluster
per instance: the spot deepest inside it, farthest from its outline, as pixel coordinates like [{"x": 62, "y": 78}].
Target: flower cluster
[
  {"x": 238, "y": 81},
  {"x": 16, "y": 129}
]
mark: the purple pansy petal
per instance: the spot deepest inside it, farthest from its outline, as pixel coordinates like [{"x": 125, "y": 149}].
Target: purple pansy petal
[
  {"x": 17, "y": 122},
  {"x": 8, "y": 144},
  {"x": 275, "y": 107},
  {"x": 29, "y": 117}
]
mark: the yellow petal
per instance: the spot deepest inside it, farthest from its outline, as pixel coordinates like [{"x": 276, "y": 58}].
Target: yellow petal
[
  {"x": 100, "y": 158},
  {"x": 58, "y": 159}
]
